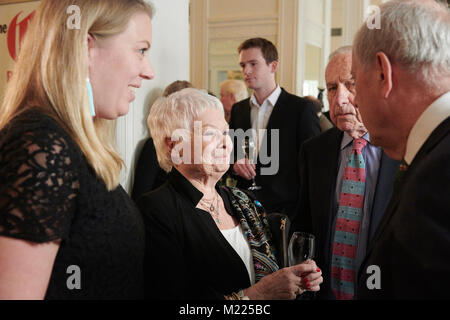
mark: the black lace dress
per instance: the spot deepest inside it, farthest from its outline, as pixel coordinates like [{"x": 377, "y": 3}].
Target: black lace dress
[{"x": 49, "y": 192}]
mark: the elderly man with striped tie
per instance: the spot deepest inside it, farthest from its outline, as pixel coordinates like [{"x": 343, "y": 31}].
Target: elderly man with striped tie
[{"x": 345, "y": 187}]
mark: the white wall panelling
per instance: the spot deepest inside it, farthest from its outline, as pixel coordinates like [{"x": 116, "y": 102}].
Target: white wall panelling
[
  {"x": 314, "y": 29},
  {"x": 288, "y": 44},
  {"x": 199, "y": 42},
  {"x": 290, "y": 24}
]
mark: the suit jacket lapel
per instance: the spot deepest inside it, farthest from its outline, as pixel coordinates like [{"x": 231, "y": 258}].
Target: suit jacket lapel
[
  {"x": 441, "y": 131},
  {"x": 275, "y": 122},
  {"x": 329, "y": 174},
  {"x": 383, "y": 191},
  {"x": 276, "y": 118},
  {"x": 245, "y": 120}
]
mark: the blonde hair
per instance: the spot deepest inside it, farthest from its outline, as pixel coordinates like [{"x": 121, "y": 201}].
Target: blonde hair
[
  {"x": 177, "y": 111},
  {"x": 235, "y": 87},
  {"x": 52, "y": 69}
]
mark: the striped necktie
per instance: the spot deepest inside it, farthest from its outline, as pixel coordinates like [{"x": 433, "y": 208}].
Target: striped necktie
[{"x": 348, "y": 222}]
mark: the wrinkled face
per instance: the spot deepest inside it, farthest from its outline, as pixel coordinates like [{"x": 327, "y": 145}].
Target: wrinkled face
[
  {"x": 117, "y": 66},
  {"x": 256, "y": 72},
  {"x": 214, "y": 155},
  {"x": 227, "y": 100},
  {"x": 340, "y": 92}
]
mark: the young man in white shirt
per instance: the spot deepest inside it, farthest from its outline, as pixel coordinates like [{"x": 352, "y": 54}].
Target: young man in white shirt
[{"x": 282, "y": 122}]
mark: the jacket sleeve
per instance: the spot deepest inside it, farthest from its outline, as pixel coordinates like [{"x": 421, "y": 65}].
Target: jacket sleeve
[
  {"x": 147, "y": 169},
  {"x": 302, "y": 220},
  {"x": 166, "y": 266},
  {"x": 309, "y": 124}
]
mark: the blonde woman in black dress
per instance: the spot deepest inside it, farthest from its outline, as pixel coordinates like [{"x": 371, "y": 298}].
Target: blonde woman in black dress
[{"x": 62, "y": 210}]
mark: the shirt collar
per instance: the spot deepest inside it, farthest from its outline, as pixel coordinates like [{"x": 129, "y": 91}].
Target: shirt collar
[
  {"x": 186, "y": 188},
  {"x": 183, "y": 186},
  {"x": 429, "y": 120},
  {"x": 272, "y": 99},
  {"x": 347, "y": 139}
]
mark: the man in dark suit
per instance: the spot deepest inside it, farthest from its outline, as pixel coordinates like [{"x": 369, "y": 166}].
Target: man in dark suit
[
  {"x": 402, "y": 74},
  {"x": 281, "y": 122},
  {"x": 324, "y": 209}
]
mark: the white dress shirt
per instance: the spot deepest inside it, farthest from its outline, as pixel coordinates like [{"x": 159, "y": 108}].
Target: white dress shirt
[
  {"x": 260, "y": 114},
  {"x": 429, "y": 120}
]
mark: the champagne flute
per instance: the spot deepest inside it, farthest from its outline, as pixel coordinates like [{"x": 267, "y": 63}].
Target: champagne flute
[
  {"x": 248, "y": 146},
  {"x": 301, "y": 247}
]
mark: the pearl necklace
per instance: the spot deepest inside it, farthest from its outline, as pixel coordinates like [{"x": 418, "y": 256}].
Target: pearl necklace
[{"x": 213, "y": 210}]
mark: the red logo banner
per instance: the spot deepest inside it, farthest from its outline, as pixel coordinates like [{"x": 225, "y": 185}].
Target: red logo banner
[{"x": 21, "y": 27}]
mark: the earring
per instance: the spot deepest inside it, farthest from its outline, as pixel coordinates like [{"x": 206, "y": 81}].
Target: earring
[{"x": 91, "y": 97}]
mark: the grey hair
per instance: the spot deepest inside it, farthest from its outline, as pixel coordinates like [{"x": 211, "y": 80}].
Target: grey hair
[
  {"x": 339, "y": 51},
  {"x": 236, "y": 87},
  {"x": 413, "y": 34},
  {"x": 177, "y": 111}
]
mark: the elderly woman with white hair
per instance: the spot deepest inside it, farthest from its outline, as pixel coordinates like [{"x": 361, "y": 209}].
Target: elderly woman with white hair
[{"x": 205, "y": 241}]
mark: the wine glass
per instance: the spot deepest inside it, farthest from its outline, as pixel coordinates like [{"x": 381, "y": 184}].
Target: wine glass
[
  {"x": 301, "y": 247},
  {"x": 248, "y": 146}
]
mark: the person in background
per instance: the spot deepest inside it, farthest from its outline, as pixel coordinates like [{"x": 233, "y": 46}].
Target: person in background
[
  {"x": 320, "y": 98},
  {"x": 68, "y": 230},
  {"x": 402, "y": 74},
  {"x": 281, "y": 121},
  {"x": 346, "y": 186},
  {"x": 205, "y": 241},
  {"x": 325, "y": 124},
  {"x": 232, "y": 91},
  {"x": 176, "y": 86},
  {"x": 148, "y": 175}
]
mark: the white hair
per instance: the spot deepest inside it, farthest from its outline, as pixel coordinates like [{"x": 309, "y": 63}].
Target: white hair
[
  {"x": 339, "y": 51},
  {"x": 177, "y": 111},
  {"x": 235, "y": 87},
  {"x": 414, "y": 34}
]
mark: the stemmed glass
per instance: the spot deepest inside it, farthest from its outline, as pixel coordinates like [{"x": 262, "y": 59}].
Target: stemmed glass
[
  {"x": 248, "y": 146},
  {"x": 301, "y": 248}
]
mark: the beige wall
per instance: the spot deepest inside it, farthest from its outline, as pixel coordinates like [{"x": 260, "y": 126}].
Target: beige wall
[
  {"x": 235, "y": 9},
  {"x": 290, "y": 24},
  {"x": 337, "y": 21},
  {"x": 229, "y": 23},
  {"x": 348, "y": 15},
  {"x": 314, "y": 11},
  {"x": 313, "y": 56}
]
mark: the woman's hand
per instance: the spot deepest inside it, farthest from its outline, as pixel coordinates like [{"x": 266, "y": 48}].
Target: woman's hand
[
  {"x": 287, "y": 283},
  {"x": 244, "y": 168},
  {"x": 311, "y": 281}
]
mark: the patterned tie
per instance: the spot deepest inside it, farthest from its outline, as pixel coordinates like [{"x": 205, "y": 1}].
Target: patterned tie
[{"x": 348, "y": 222}]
